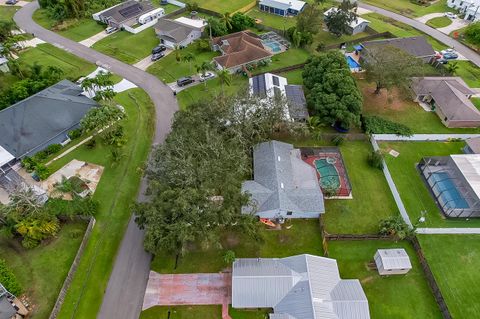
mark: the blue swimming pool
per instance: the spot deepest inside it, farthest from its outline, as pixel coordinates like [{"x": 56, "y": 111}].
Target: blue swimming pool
[
  {"x": 449, "y": 194},
  {"x": 273, "y": 45},
  {"x": 352, "y": 63}
]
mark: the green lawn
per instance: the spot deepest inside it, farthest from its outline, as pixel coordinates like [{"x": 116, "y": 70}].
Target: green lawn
[
  {"x": 439, "y": 22},
  {"x": 42, "y": 270},
  {"x": 200, "y": 312},
  {"x": 167, "y": 7},
  {"x": 293, "y": 77},
  {"x": 454, "y": 261},
  {"x": 168, "y": 69},
  {"x": 290, "y": 57},
  {"x": 272, "y": 20},
  {"x": 413, "y": 192},
  {"x": 7, "y": 12},
  {"x": 476, "y": 102},
  {"x": 127, "y": 47},
  {"x": 116, "y": 191},
  {"x": 469, "y": 72},
  {"x": 49, "y": 55},
  {"x": 409, "y": 8},
  {"x": 402, "y": 296},
  {"x": 75, "y": 29},
  {"x": 221, "y": 6}
]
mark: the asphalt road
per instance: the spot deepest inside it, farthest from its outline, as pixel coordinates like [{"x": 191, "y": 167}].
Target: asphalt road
[
  {"x": 124, "y": 294},
  {"x": 462, "y": 49}
]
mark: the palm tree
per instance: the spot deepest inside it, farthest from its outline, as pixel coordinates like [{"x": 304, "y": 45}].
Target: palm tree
[
  {"x": 178, "y": 56},
  {"x": 227, "y": 20},
  {"x": 88, "y": 85},
  {"x": 203, "y": 68},
  {"x": 189, "y": 58},
  {"x": 452, "y": 67},
  {"x": 225, "y": 78}
]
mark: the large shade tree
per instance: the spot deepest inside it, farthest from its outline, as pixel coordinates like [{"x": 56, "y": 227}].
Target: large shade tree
[{"x": 338, "y": 21}]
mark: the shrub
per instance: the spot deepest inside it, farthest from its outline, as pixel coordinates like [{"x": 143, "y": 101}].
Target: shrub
[
  {"x": 29, "y": 164},
  {"x": 74, "y": 134},
  {"x": 375, "y": 159},
  {"x": 30, "y": 243},
  {"x": 8, "y": 279},
  {"x": 42, "y": 171},
  {"x": 472, "y": 33},
  {"x": 229, "y": 257},
  {"x": 69, "y": 209},
  {"x": 40, "y": 156},
  {"x": 378, "y": 125},
  {"x": 338, "y": 140},
  {"x": 52, "y": 149},
  {"x": 395, "y": 227},
  {"x": 91, "y": 144}
]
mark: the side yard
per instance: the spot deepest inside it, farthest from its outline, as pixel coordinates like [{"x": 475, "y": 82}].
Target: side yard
[
  {"x": 7, "y": 13},
  {"x": 409, "y": 8}
]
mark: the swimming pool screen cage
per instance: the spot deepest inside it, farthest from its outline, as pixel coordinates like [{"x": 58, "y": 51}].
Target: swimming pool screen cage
[
  {"x": 451, "y": 191},
  {"x": 332, "y": 156}
]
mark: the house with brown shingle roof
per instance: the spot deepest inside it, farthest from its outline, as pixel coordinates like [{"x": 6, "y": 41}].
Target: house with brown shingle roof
[
  {"x": 239, "y": 49},
  {"x": 449, "y": 97}
]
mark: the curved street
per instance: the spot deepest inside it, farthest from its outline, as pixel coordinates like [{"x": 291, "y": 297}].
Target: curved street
[
  {"x": 132, "y": 263},
  {"x": 434, "y": 33}
]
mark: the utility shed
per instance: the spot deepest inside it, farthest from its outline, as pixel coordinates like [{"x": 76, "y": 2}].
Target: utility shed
[{"x": 392, "y": 261}]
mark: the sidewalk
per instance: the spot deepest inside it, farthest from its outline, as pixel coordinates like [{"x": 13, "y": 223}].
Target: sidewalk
[{"x": 445, "y": 231}]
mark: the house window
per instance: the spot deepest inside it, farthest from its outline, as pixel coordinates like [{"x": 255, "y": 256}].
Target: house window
[
  {"x": 289, "y": 213},
  {"x": 275, "y": 81}
]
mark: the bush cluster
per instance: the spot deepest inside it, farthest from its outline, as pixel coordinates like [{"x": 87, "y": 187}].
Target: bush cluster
[
  {"x": 378, "y": 125},
  {"x": 8, "y": 279},
  {"x": 375, "y": 159}
]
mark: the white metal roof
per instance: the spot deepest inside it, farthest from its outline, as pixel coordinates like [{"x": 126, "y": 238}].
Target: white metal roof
[
  {"x": 284, "y": 4},
  {"x": 5, "y": 156},
  {"x": 196, "y": 23},
  {"x": 393, "y": 258},
  {"x": 469, "y": 166}
]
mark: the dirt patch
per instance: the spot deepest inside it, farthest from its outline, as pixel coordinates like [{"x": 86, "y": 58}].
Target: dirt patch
[
  {"x": 284, "y": 238},
  {"x": 367, "y": 279},
  {"x": 391, "y": 99},
  {"x": 231, "y": 240}
]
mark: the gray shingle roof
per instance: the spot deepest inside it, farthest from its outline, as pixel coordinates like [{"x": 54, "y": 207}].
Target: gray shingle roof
[
  {"x": 416, "y": 46},
  {"x": 44, "y": 118},
  {"x": 128, "y": 10},
  {"x": 6, "y": 309},
  {"x": 283, "y": 182},
  {"x": 172, "y": 29},
  {"x": 297, "y": 287}
]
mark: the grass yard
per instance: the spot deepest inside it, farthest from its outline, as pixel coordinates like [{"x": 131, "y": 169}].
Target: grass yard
[
  {"x": 7, "y": 12},
  {"x": 75, "y": 29},
  {"x": 42, "y": 270},
  {"x": 199, "y": 312},
  {"x": 169, "y": 8},
  {"x": 409, "y": 8},
  {"x": 413, "y": 191},
  {"x": 476, "y": 102},
  {"x": 168, "y": 69},
  {"x": 48, "y": 55},
  {"x": 293, "y": 77},
  {"x": 469, "y": 72},
  {"x": 288, "y": 58},
  {"x": 272, "y": 20},
  {"x": 439, "y": 22},
  {"x": 116, "y": 191},
  {"x": 393, "y": 106},
  {"x": 222, "y": 6},
  {"x": 454, "y": 261},
  {"x": 381, "y": 23},
  {"x": 127, "y": 47},
  {"x": 402, "y": 296},
  {"x": 212, "y": 89}
]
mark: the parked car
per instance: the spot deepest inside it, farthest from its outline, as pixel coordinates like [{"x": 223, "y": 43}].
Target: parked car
[
  {"x": 157, "y": 56},
  {"x": 450, "y": 56},
  {"x": 111, "y": 30},
  {"x": 185, "y": 81},
  {"x": 208, "y": 75},
  {"x": 11, "y": 2},
  {"x": 450, "y": 15},
  {"x": 159, "y": 48},
  {"x": 448, "y": 51},
  {"x": 442, "y": 60}
]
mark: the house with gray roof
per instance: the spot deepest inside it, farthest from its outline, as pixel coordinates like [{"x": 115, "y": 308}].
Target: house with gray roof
[
  {"x": 449, "y": 97},
  {"x": 297, "y": 287},
  {"x": 283, "y": 185},
  {"x": 125, "y": 13},
  {"x": 179, "y": 32},
  {"x": 10, "y": 306},
  {"x": 415, "y": 46},
  {"x": 472, "y": 146}
]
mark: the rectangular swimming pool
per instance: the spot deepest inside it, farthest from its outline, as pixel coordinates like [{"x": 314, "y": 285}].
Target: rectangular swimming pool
[
  {"x": 273, "y": 45},
  {"x": 447, "y": 192},
  {"x": 352, "y": 63}
]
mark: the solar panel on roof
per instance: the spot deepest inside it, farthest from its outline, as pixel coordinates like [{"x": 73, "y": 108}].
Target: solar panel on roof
[
  {"x": 131, "y": 11},
  {"x": 259, "y": 86}
]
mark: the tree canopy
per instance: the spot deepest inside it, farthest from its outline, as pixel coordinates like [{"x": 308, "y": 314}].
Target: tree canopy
[
  {"x": 332, "y": 91},
  {"x": 310, "y": 20},
  {"x": 67, "y": 9},
  {"x": 338, "y": 20}
]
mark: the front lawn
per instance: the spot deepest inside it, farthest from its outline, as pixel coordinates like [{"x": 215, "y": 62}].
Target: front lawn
[
  {"x": 272, "y": 20},
  {"x": 168, "y": 69},
  {"x": 127, "y": 47},
  {"x": 439, "y": 22},
  {"x": 413, "y": 191},
  {"x": 74, "y": 29},
  {"x": 469, "y": 72},
  {"x": 221, "y": 6},
  {"x": 454, "y": 261},
  {"x": 397, "y": 296},
  {"x": 7, "y": 12},
  {"x": 48, "y": 55},
  {"x": 116, "y": 191},
  {"x": 410, "y": 8},
  {"x": 42, "y": 270}
]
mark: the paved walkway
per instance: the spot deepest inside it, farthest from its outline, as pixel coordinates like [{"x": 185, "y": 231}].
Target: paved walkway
[
  {"x": 422, "y": 137},
  {"x": 462, "y": 49},
  {"x": 95, "y": 38},
  {"x": 456, "y": 24},
  {"x": 126, "y": 287},
  {"x": 448, "y": 231}
]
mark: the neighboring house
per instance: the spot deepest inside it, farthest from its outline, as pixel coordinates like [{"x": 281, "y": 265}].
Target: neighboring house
[
  {"x": 282, "y": 7},
  {"x": 128, "y": 13},
  {"x": 454, "y": 181},
  {"x": 238, "y": 50},
  {"x": 392, "y": 261},
  {"x": 10, "y": 306},
  {"x": 356, "y": 26},
  {"x": 283, "y": 185},
  {"x": 179, "y": 32},
  {"x": 270, "y": 85},
  {"x": 449, "y": 97},
  {"x": 416, "y": 46},
  {"x": 472, "y": 146},
  {"x": 297, "y": 287},
  {"x": 470, "y": 8}
]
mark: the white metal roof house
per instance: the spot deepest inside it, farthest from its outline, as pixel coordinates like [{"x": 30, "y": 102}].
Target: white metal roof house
[
  {"x": 392, "y": 261},
  {"x": 356, "y": 26},
  {"x": 283, "y": 185},
  {"x": 271, "y": 85},
  {"x": 282, "y": 7},
  {"x": 297, "y": 287},
  {"x": 471, "y": 8}
]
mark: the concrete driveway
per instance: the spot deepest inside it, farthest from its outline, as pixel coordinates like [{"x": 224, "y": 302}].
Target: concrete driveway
[
  {"x": 146, "y": 62},
  {"x": 187, "y": 289},
  {"x": 95, "y": 38},
  {"x": 456, "y": 24},
  {"x": 425, "y": 18}
]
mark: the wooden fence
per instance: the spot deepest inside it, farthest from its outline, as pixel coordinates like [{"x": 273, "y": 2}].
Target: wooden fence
[{"x": 375, "y": 36}]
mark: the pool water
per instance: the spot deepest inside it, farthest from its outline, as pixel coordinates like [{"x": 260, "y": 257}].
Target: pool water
[
  {"x": 273, "y": 45},
  {"x": 352, "y": 63},
  {"x": 329, "y": 178},
  {"x": 449, "y": 194}
]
